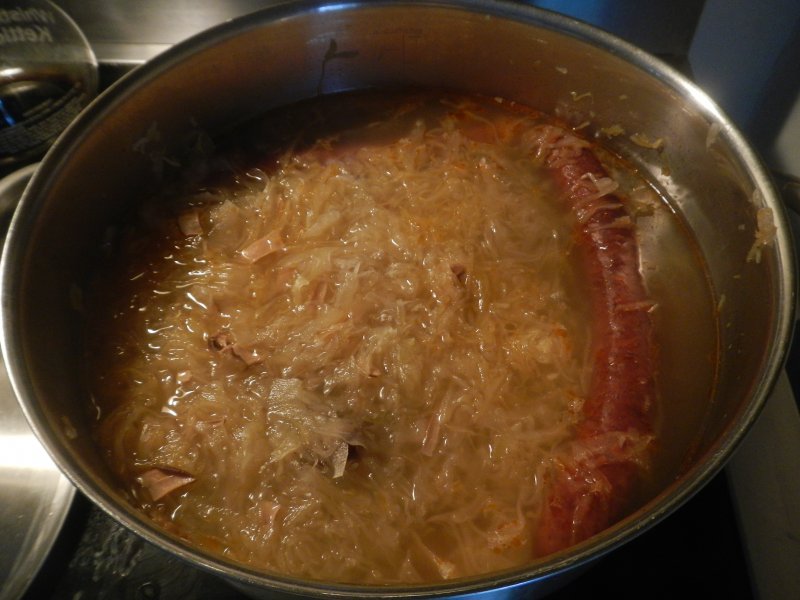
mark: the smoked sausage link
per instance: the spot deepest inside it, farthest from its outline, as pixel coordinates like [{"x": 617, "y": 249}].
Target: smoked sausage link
[{"x": 591, "y": 486}]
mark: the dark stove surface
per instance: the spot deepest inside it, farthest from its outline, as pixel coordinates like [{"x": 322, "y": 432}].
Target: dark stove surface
[{"x": 696, "y": 549}]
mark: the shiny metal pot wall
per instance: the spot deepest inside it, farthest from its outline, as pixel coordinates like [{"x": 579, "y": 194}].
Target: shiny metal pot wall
[{"x": 97, "y": 169}]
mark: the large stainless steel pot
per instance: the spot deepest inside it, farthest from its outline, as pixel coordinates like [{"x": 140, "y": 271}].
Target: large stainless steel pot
[{"x": 97, "y": 169}]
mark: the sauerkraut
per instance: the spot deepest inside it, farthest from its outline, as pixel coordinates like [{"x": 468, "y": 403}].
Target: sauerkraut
[{"x": 352, "y": 353}]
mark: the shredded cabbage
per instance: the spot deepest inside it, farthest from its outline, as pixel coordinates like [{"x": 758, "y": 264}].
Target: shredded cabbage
[{"x": 357, "y": 363}]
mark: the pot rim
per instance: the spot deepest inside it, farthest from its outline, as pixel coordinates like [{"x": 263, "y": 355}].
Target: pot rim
[{"x": 633, "y": 525}]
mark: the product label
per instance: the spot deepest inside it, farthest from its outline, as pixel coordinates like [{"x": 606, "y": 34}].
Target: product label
[{"x": 26, "y": 25}]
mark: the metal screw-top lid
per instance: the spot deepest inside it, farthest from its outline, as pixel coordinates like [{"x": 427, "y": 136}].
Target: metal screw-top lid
[{"x": 48, "y": 74}]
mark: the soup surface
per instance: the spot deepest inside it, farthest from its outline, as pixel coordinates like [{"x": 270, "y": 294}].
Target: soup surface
[{"x": 357, "y": 349}]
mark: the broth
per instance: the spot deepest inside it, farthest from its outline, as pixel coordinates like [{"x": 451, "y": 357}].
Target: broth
[{"x": 356, "y": 348}]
